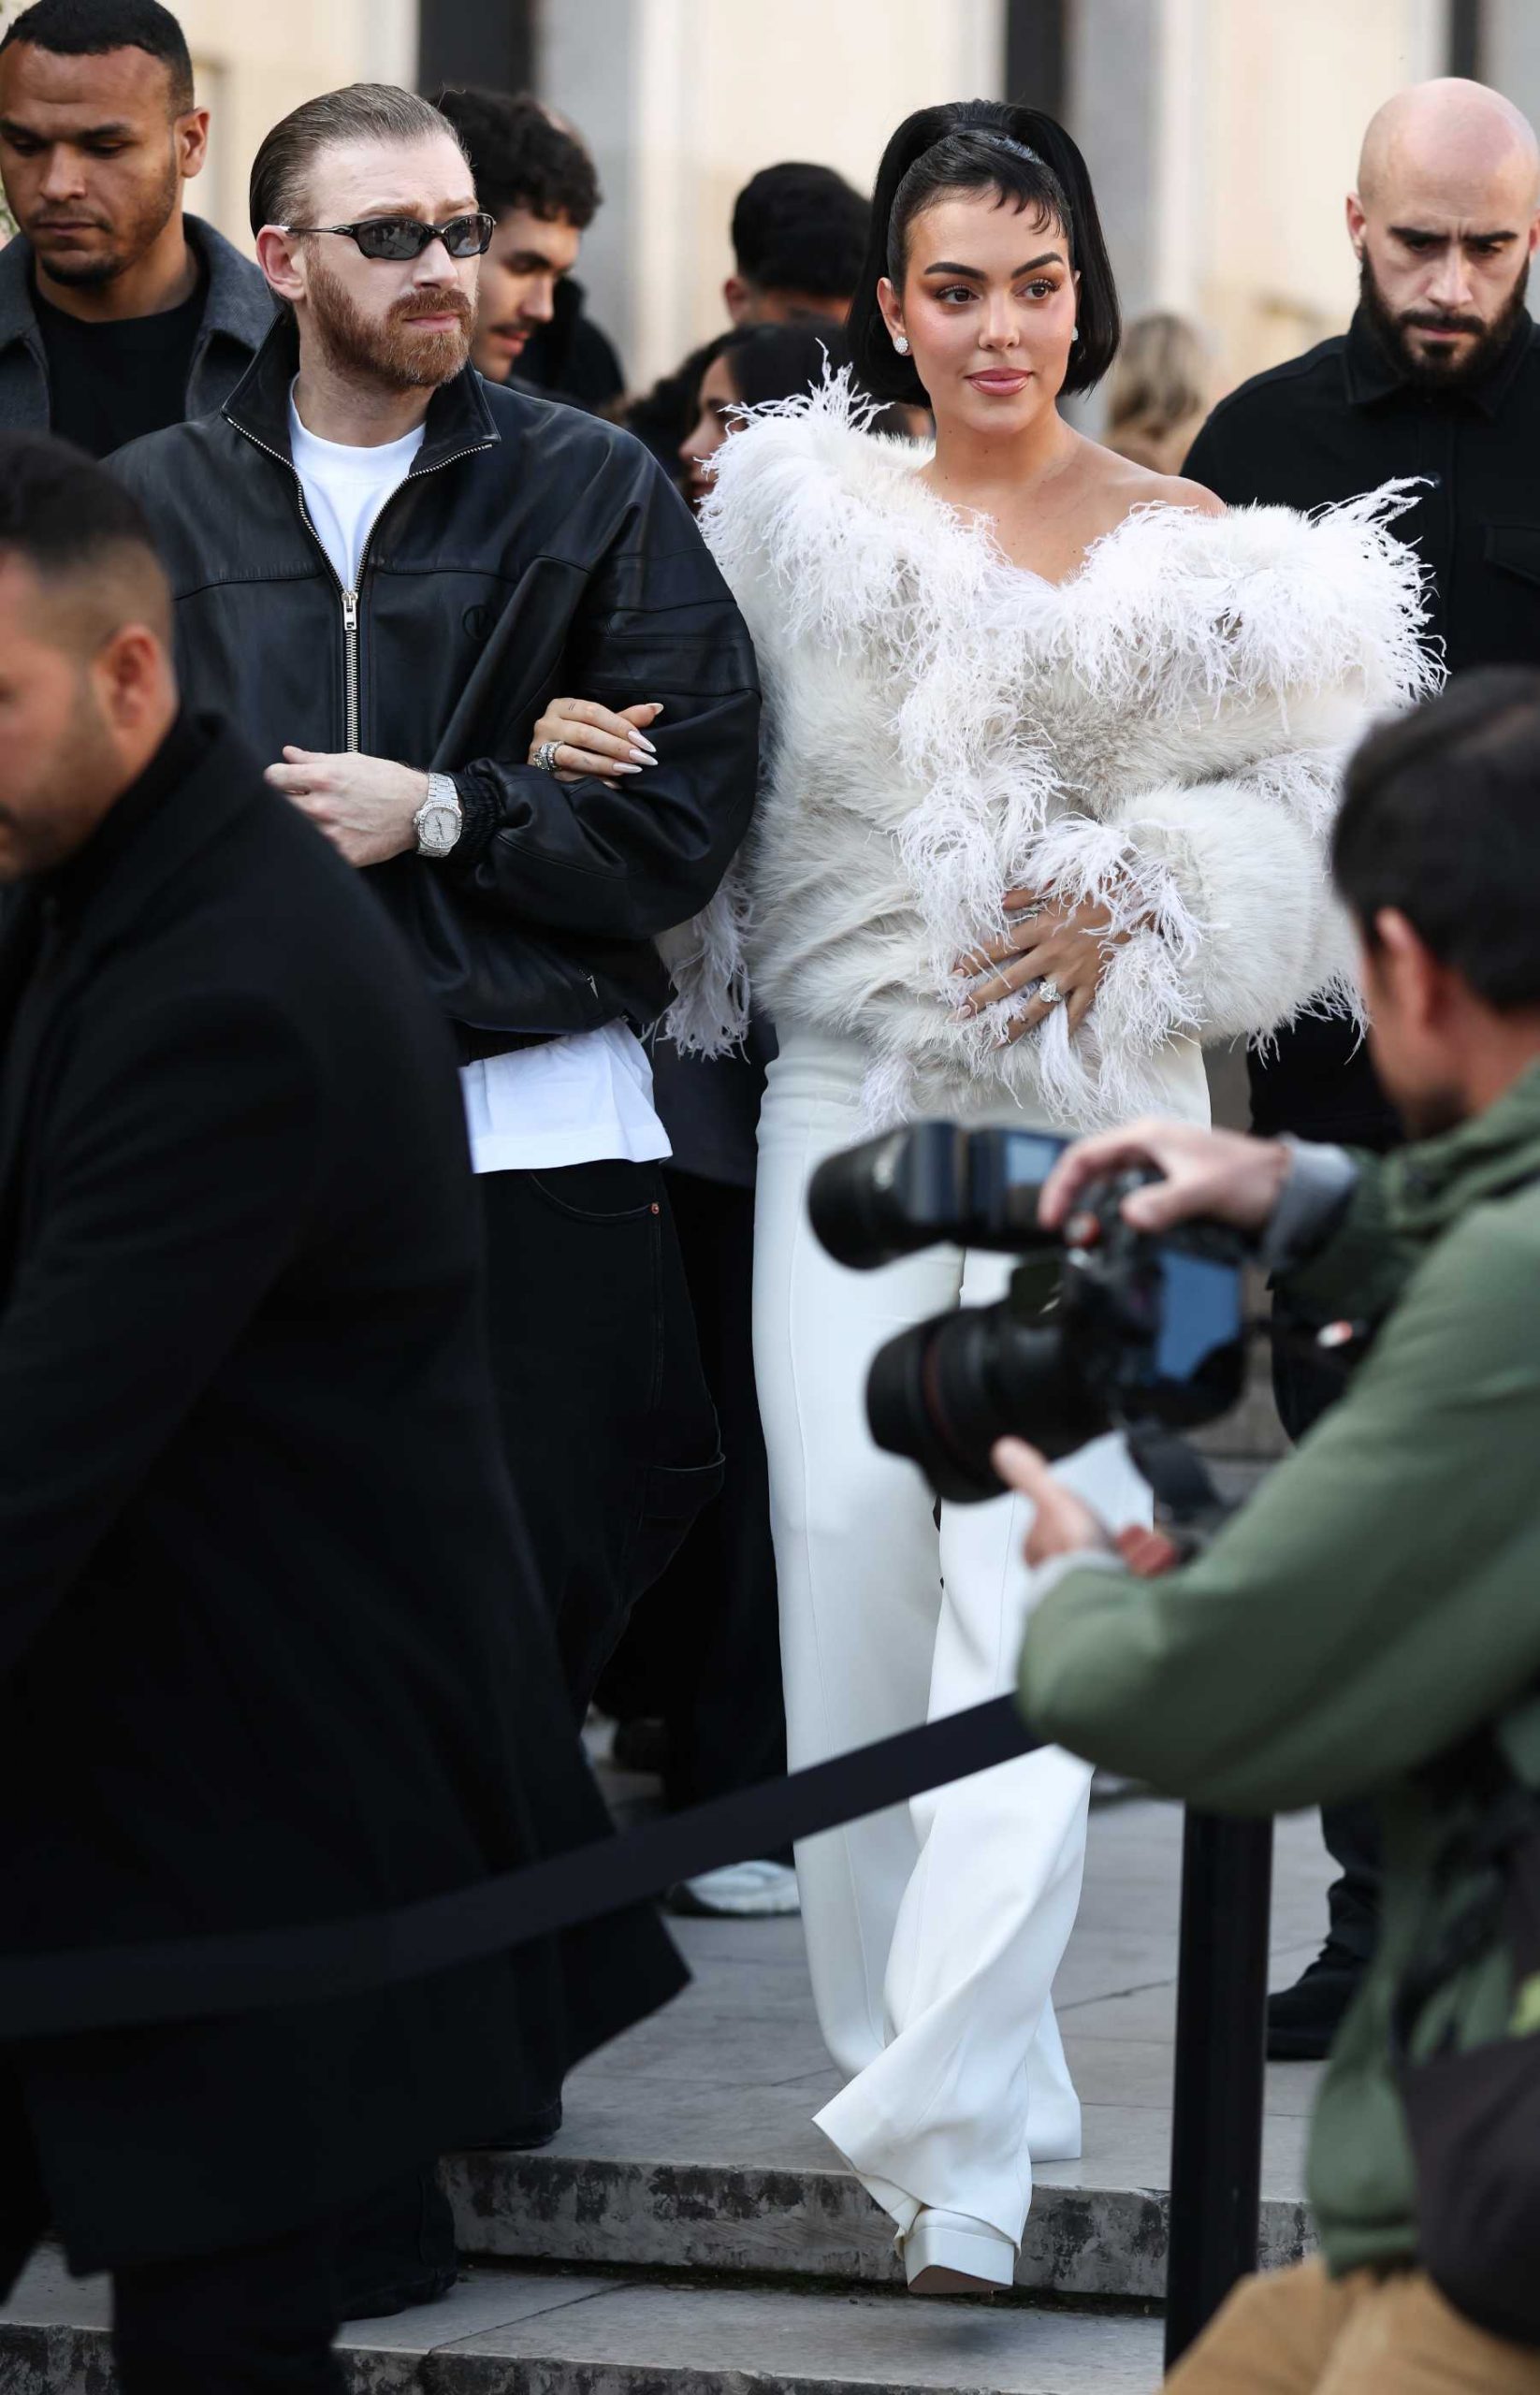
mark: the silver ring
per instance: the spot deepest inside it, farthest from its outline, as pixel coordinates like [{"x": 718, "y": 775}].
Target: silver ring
[
  {"x": 1049, "y": 993},
  {"x": 545, "y": 756}
]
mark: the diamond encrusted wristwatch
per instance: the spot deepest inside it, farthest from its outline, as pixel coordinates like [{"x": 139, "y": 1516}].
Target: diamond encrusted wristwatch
[{"x": 438, "y": 821}]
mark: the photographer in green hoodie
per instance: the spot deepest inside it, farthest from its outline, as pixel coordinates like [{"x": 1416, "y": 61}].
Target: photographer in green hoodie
[{"x": 1378, "y": 1602}]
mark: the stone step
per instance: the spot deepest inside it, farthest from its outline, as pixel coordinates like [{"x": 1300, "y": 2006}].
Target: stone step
[
  {"x": 1081, "y": 2241},
  {"x": 690, "y": 2145},
  {"x": 512, "y": 2332}
]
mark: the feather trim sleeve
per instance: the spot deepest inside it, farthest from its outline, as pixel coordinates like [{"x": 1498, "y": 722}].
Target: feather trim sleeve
[{"x": 1227, "y": 920}]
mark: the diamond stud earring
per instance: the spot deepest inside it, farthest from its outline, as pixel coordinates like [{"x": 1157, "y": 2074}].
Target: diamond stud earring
[{"x": 900, "y": 342}]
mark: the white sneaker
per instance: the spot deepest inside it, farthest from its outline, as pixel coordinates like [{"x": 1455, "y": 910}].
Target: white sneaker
[
  {"x": 739, "y": 1890},
  {"x": 949, "y": 2253}
]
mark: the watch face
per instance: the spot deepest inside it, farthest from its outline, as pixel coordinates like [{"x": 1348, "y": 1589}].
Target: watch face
[{"x": 439, "y": 828}]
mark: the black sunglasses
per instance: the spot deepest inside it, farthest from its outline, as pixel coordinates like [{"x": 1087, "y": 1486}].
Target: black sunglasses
[{"x": 406, "y": 236}]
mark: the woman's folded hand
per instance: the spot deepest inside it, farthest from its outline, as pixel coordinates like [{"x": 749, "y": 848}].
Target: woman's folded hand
[
  {"x": 591, "y": 739},
  {"x": 1065, "y": 949}
]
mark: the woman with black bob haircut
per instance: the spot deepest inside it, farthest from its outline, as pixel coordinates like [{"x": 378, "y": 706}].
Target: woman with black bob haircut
[
  {"x": 1051, "y": 757},
  {"x": 1028, "y": 163}
]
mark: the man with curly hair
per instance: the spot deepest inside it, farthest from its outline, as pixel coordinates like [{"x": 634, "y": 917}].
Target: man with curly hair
[{"x": 533, "y": 174}]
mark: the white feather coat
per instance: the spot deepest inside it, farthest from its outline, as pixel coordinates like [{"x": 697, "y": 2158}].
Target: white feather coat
[{"x": 1165, "y": 730}]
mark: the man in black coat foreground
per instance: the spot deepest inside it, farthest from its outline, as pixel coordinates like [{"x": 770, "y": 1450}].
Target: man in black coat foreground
[{"x": 270, "y": 1650}]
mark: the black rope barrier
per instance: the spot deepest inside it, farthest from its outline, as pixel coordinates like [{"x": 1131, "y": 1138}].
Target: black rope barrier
[
  {"x": 99, "y": 1987},
  {"x": 1218, "y": 2097}
]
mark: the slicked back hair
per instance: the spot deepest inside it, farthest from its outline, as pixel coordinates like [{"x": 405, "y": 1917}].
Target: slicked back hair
[
  {"x": 282, "y": 169},
  {"x": 91, "y": 28},
  {"x": 1441, "y": 820}
]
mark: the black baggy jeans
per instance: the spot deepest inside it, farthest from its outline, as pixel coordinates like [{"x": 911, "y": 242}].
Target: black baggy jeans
[
  {"x": 610, "y": 1433},
  {"x": 703, "y": 1653}
]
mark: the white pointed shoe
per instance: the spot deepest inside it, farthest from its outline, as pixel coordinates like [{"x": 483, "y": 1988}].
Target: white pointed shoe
[{"x": 949, "y": 2253}]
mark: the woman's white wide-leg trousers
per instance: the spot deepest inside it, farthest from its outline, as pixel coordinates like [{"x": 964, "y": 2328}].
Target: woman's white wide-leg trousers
[{"x": 934, "y": 1930}]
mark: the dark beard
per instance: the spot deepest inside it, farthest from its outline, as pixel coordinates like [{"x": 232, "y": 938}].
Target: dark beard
[
  {"x": 387, "y": 350},
  {"x": 1435, "y": 373}
]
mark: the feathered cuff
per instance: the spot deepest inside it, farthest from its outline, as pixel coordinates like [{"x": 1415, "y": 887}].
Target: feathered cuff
[
  {"x": 708, "y": 1014},
  {"x": 1221, "y": 892}
]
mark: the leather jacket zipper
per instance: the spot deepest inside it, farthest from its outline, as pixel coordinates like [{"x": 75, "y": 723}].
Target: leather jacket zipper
[
  {"x": 350, "y": 597},
  {"x": 350, "y": 658}
]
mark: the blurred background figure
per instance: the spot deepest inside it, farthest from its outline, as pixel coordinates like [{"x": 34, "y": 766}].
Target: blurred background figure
[
  {"x": 533, "y": 174},
  {"x": 799, "y": 235},
  {"x": 119, "y": 314},
  {"x": 751, "y": 366},
  {"x": 1159, "y": 392}
]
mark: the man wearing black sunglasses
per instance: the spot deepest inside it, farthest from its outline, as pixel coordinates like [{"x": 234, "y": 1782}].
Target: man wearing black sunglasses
[{"x": 384, "y": 569}]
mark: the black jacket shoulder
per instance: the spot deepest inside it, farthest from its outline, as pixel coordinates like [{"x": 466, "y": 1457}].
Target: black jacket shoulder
[{"x": 1275, "y": 391}]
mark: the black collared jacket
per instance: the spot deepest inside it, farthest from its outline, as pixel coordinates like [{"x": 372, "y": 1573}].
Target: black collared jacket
[
  {"x": 532, "y": 552},
  {"x": 237, "y": 316},
  {"x": 1325, "y": 427}
]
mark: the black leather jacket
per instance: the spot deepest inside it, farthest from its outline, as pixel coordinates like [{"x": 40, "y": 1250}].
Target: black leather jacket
[{"x": 531, "y": 552}]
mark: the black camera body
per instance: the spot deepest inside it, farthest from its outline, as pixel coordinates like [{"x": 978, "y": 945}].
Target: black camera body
[{"x": 1141, "y": 1333}]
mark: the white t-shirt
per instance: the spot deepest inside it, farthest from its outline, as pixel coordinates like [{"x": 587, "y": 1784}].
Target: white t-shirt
[
  {"x": 578, "y": 1100},
  {"x": 345, "y": 488},
  {"x": 574, "y": 1101}
]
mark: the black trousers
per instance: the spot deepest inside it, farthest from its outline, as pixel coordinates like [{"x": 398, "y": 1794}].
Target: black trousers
[
  {"x": 1304, "y": 1390},
  {"x": 611, "y": 1436},
  {"x": 241, "y": 2323},
  {"x": 703, "y": 1651}
]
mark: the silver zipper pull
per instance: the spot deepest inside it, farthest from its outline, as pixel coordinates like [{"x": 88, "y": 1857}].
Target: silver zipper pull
[{"x": 350, "y": 611}]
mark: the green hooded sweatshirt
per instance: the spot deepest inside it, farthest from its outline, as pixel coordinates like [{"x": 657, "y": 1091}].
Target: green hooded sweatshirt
[{"x": 1377, "y": 1602}]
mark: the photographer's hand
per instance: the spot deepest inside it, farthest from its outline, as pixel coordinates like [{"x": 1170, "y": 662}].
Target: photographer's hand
[
  {"x": 1215, "y": 1176},
  {"x": 1063, "y": 1523}
]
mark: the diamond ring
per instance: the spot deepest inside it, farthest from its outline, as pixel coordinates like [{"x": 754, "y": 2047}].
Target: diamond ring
[
  {"x": 545, "y": 756},
  {"x": 1049, "y": 993}
]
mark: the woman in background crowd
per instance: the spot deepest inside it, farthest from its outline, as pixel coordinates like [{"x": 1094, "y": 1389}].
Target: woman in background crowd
[
  {"x": 1158, "y": 393},
  {"x": 752, "y": 367},
  {"x": 1051, "y": 750}
]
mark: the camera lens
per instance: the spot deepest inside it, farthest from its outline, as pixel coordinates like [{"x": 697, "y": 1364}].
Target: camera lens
[
  {"x": 943, "y": 1392},
  {"x": 890, "y": 1196}
]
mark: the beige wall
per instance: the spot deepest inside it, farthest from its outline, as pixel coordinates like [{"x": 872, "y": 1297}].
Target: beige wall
[
  {"x": 1288, "y": 91},
  {"x": 685, "y": 99},
  {"x": 256, "y": 59}
]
